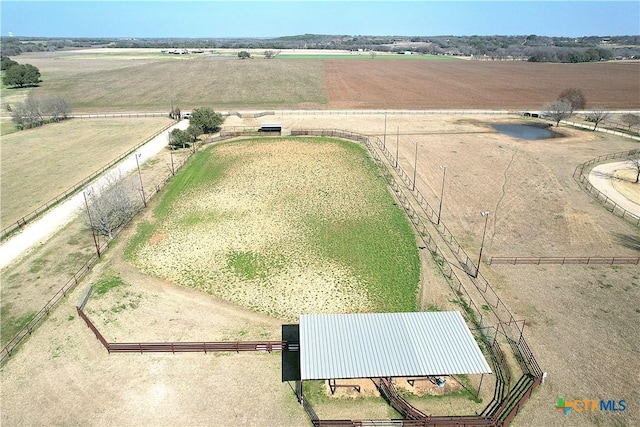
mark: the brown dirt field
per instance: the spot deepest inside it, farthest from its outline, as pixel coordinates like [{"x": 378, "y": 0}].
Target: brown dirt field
[
  {"x": 582, "y": 320},
  {"x": 101, "y": 80},
  {"x": 371, "y": 84}
]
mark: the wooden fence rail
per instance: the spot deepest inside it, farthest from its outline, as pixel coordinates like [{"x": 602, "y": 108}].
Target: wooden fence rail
[{"x": 182, "y": 347}]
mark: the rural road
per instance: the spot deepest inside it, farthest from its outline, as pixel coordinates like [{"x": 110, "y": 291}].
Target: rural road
[
  {"x": 40, "y": 230},
  {"x": 600, "y": 177}
]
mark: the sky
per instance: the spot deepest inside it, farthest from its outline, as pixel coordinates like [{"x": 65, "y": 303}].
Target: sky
[{"x": 227, "y": 19}]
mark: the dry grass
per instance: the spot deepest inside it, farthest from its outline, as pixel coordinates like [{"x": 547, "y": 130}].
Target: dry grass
[
  {"x": 124, "y": 83},
  {"x": 39, "y": 164},
  {"x": 582, "y": 320},
  {"x": 98, "y": 81}
]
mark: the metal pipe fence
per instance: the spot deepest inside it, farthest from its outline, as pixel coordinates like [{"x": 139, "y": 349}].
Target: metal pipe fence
[
  {"x": 583, "y": 180},
  {"x": 565, "y": 260}
]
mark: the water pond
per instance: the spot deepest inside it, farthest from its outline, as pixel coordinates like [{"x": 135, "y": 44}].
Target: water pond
[{"x": 525, "y": 131}]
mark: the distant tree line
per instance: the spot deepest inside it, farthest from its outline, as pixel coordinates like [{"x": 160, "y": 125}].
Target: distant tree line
[{"x": 526, "y": 47}]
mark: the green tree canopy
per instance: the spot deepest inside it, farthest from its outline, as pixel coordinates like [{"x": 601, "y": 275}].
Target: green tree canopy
[
  {"x": 206, "y": 119},
  {"x": 21, "y": 75},
  {"x": 6, "y": 62},
  {"x": 243, "y": 54},
  {"x": 179, "y": 138}
]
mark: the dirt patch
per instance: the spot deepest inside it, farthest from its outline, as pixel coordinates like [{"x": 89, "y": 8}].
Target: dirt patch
[
  {"x": 581, "y": 320},
  {"x": 379, "y": 84},
  {"x": 625, "y": 183}
]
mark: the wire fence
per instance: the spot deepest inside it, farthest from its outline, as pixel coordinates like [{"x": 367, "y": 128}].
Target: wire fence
[
  {"x": 24, "y": 219},
  {"x": 118, "y": 115}
]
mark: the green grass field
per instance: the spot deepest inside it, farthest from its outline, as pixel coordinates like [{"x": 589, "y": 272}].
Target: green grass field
[{"x": 283, "y": 226}]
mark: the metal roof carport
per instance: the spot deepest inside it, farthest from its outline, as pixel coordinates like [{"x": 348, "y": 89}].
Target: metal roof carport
[{"x": 380, "y": 345}]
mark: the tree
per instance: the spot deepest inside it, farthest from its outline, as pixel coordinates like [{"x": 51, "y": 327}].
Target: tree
[
  {"x": 557, "y": 110},
  {"x": 574, "y": 97},
  {"x": 630, "y": 120},
  {"x": 206, "y": 119},
  {"x": 269, "y": 54},
  {"x": 597, "y": 115},
  {"x": 635, "y": 162},
  {"x": 110, "y": 206},
  {"x": 194, "y": 131},
  {"x": 36, "y": 112},
  {"x": 373, "y": 54},
  {"x": 243, "y": 54},
  {"x": 175, "y": 113},
  {"x": 21, "y": 76},
  {"x": 6, "y": 63},
  {"x": 178, "y": 138}
]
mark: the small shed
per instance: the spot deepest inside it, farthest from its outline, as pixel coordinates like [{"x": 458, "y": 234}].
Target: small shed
[{"x": 270, "y": 127}]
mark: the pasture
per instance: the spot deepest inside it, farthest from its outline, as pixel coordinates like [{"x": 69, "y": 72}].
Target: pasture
[
  {"x": 109, "y": 80},
  {"x": 284, "y": 227},
  {"x": 581, "y": 320},
  {"x": 536, "y": 209},
  {"x": 39, "y": 164}
]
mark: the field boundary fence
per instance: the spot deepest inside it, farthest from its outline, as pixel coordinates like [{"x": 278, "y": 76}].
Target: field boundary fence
[
  {"x": 179, "y": 347},
  {"x": 564, "y": 260},
  {"x": 601, "y": 129},
  {"x": 7, "y": 231},
  {"x": 583, "y": 181},
  {"x": 390, "y": 112},
  {"x": 479, "y": 302},
  {"x": 118, "y": 115},
  {"x": 26, "y": 331}
]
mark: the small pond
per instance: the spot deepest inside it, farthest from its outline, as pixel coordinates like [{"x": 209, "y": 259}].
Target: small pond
[{"x": 525, "y": 131}]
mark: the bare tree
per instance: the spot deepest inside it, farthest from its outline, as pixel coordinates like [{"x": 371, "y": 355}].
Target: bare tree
[
  {"x": 557, "y": 110},
  {"x": 270, "y": 54},
  {"x": 110, "y": 206},
  {"x": 597, "y": 115},
  {"x": 373, "y": 54},
  {"x": 574, "y": 97},
  {"x": 635, "y": 163},
  {"x": 630, "y": 120}
]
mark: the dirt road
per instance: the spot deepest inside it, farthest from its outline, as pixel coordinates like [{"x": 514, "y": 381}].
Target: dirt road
[
  {"x": 37, "y": 232},
  {"x": 601, "y": 178}
]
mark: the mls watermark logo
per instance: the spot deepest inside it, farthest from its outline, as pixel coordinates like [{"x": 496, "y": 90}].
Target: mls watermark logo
[{"x": 590, "y": 405}]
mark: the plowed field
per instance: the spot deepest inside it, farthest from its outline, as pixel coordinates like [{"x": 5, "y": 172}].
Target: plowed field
[{"x": 453, "y": 84}]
